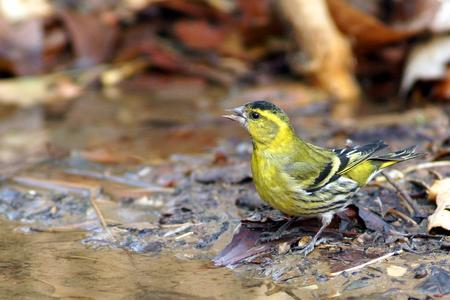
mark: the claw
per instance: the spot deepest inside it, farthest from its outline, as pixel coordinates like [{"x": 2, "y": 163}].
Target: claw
[{"x": 308, "y": 249}]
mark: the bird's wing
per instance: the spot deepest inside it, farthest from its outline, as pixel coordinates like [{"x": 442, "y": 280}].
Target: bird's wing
[
  {"x": 303, "y": 172},
  {"x": 350, "y": 157},
  {"x": 312, "y": 176}
]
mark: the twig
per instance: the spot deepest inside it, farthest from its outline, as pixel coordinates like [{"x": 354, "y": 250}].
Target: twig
[
  {"x": 370, "y": 262},
  {"x": 100, "y": 216},
  {"x": 407, "y": 201},
  {"x": 436, "y": 174},
  {"x": 79, "y": 257},
  {"x": 68, "y": 228},
  {"x": 177, "y": 230},
  {"x": 122, "y": 180},
  {"x": 177, "y": 225},
  {"x": 427, "y": 165},
  {"x": 401, "y": 215},
  {"x": 59, "y": 186},
  {"x": 184, "y": 235}
]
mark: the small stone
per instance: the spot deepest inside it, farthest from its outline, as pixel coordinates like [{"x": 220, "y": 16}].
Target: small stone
[
  {"x": 304, "y": 241},
  {"x": 396, "y": 271},
  {"x": 284, "y": 248},
  {"x": 420, "y": 273}
]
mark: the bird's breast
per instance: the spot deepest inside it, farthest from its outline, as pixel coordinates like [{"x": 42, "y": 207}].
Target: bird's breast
[{"x": 271, "y": 183}]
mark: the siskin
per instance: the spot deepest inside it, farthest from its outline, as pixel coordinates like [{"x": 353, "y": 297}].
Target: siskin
[{"x": 301, "y": 179}]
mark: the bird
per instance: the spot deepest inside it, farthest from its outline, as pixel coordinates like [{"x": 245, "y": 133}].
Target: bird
[{"x": 303, "y": 180}]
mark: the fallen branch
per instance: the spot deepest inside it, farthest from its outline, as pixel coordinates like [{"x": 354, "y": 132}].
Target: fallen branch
[
  {"x": 122, "y": 180},
  {"x": 66, "y": 228},
  {"x": 100, "y": 216},
  {"x": 409, "y": 204},
  {"x": 427, "y": 165},
  {"x": 83, "y": 189},
  {"x": 401, "y": 215},
  {"x": 327, "y": 54},
  {"x": 370, "y": 262}
]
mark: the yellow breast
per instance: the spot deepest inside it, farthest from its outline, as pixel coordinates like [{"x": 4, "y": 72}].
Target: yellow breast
[{"x": 272, "y": 184}]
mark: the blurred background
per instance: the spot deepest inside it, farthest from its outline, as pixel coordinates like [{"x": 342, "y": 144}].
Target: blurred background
[
  {"x": 110, "y": 97},
  {"x": 96, "y": 75}
]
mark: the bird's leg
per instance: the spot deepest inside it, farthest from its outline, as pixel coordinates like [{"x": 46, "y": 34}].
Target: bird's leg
[
  {"x": 326, "y": 220},
  {"x": 272, "y": 236}
]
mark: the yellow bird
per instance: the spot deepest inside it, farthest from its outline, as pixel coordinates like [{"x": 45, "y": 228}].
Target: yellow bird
[{"x": 301, "y": 179}]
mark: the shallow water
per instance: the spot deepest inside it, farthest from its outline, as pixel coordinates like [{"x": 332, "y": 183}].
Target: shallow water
[
  {"x": 58, "y": 266},
  {"x": 138, "y": 129}
]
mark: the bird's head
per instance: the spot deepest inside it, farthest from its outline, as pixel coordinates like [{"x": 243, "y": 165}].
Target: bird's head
[{"x": 264, "y": 121}]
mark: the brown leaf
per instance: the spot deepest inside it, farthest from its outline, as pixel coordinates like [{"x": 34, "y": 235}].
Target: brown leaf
[
  {"x": 199, "y": 35},
  {"x": 326, "y": 53},
  {"x": 21, "y": 46},
  {"x": 442, "y": 89},
  {"x": 92, "y": 37},
  {"x": 375, "y": 222},
  {"x": 242, "y": 246},
  {"x": 427, "y": 61},
  {"x": 191, "y": 8},
  {"x": 420, "y": 15},
  {"x": 440, "y": 193},
  {"x": 255, "y": 13},
  {"x": 358, "y": 24}
]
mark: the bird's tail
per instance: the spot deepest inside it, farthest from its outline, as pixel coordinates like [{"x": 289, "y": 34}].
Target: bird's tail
[{"x": 392, "y": 158}]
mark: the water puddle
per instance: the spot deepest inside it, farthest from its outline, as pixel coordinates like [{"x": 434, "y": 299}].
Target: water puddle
[{"x": 142, "y": 138}]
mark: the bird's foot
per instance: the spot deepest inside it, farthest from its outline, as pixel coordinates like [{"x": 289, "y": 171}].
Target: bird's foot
[{"x": 308, "y": 248}]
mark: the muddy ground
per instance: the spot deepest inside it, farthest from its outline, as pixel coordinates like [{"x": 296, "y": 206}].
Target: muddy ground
[{"x": 174, "y": 192}]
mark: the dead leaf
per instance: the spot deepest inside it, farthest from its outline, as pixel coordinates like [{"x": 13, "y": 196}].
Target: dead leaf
[
  {"x": 27, "y": 91},
  {"x": 441, "y": 90},
  {"x": 199, "y": 35},
  {"x": 191, "y": 8},
  {"x": 92, "y": 37},
  {"x": 108, "y": 156},
  {"x": 420, "y": 15},
  {"x": 30, "y": 90},
  {"x": 427, "y": 61},
  {"x": 375, "y": 222},
  {"x": 60, "y": 185},
  {"x": 326, "y": 53},
  {"x": 254, "y": 13},
  {"x": 21, "y": 46},
  {"x": 117, "y": 74},
  {"x": 357, "y": 24},
  {"x": 241, "y": 247},
  {"x": 440, "y": 193}
]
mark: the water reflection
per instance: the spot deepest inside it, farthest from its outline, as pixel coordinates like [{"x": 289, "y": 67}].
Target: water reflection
[{"x": 58, "y": 266}]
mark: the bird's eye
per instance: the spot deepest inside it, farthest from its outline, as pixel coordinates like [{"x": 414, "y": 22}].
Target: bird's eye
[{"x": 254, "y": 115}]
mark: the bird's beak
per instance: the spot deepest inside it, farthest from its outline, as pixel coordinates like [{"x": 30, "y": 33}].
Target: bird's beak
[{"x": 238, "y": 115}]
